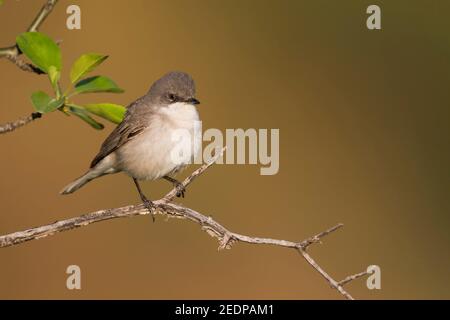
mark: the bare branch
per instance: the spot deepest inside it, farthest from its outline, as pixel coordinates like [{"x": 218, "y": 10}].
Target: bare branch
[
  {"x": 330, "y": 280},
  {"x": 163, "y": 206},
  {"x": 353, "y": 277},
  {"x": 11, "y": 126},
  {"x": 9, "y": 51},
  {"x": 172, "y": 194},
  {"x": 46, "y": 9}
]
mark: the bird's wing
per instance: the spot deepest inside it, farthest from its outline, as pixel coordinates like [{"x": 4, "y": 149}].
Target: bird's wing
[{"x": 124, "y": 132}]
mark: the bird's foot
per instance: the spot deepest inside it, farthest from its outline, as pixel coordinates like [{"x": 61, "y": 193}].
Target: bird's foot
[
  {"x": 150, "y": 206},
  {"x": 181, "y": 189}
]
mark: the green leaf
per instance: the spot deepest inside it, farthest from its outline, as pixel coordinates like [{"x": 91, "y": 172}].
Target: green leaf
[
  {"x": 85, "y": 64},
  {"x": 108, "y": 111},
  {"x": 82, "y": 114},
  {"x": 97, "y": 84},
  {"x": 54, "y": 76},
  {"x": 45, "y": 104},
  {"x": 40, "y": 49}
]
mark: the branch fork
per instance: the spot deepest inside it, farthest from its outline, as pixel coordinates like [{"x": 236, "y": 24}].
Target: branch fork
[
  {"x": 164, "y": 206},
  {"x": 12, "y": 54}
]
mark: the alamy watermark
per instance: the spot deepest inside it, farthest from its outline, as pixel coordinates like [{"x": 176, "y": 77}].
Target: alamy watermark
[
  {"x": 74, "y": 279},
  {"x": 250, "y": 146}
]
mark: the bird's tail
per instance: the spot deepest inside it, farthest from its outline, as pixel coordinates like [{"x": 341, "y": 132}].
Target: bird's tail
[{"x": 78, "y": 183}]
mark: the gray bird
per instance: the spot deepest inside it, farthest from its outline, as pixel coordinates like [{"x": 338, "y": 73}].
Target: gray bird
[{"x": 144, "y": 144}]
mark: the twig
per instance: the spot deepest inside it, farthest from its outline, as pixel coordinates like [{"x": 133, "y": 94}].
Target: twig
[
  {"x": 163, "y": 206},
  {"x": 11, "y": 126},
  {"x": 12, "y": 52},
  {"x": 330, "y": 280},
  {"x": 42, "y": 15},
  {"x": 353, "y": 277}
]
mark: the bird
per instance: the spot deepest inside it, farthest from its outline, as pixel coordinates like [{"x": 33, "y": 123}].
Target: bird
[{"x": 143, "y": 144}]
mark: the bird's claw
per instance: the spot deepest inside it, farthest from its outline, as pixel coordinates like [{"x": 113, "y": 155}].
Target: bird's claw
[
  {"x": 150, "y": 206},
  {"x": 180, "y": 189}
]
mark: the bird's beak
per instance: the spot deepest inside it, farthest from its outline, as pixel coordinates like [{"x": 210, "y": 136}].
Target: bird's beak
[{"x": 193, "y": 101}]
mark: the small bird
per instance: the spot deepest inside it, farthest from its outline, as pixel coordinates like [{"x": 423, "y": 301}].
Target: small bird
[{"x": 142, "y": 144}]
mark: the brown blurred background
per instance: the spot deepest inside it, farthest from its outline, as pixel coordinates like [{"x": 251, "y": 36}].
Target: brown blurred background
[{"x": 364, "y": 140}]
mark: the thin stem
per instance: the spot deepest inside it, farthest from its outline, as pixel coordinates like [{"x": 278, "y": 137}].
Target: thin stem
[{"x": 42, "y": 15}]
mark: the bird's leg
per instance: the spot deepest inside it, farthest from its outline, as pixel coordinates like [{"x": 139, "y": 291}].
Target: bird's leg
[
  {"x": 177, "y": 184},
  {"x": 147, "y": 203}
]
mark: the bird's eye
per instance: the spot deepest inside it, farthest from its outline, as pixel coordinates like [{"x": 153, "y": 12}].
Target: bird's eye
[{"x": 172, "y": 97}]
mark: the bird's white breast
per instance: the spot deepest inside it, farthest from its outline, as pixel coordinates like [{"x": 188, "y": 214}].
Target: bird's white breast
[{"x": 150, "y": 155}]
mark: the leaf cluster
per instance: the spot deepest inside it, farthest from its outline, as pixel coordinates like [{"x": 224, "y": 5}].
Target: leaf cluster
[{"x": 45, "y": 54}]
